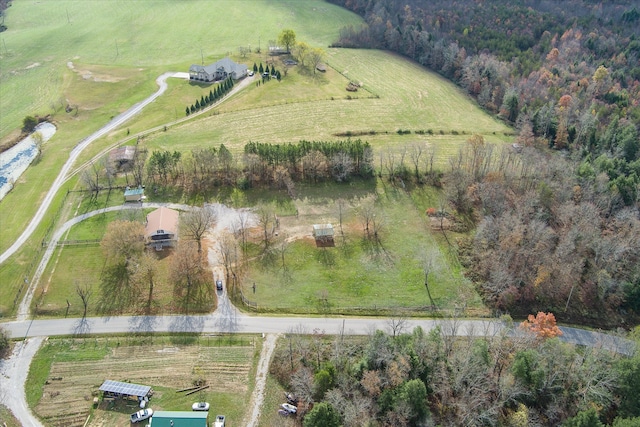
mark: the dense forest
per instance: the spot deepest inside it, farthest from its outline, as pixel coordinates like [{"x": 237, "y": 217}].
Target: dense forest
[
  {"x": 513, "y": 379},
  {"x": 557, "y": 220}
]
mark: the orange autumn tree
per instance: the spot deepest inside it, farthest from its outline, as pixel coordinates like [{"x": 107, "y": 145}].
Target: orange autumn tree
[{"x": 543, "y": 325}]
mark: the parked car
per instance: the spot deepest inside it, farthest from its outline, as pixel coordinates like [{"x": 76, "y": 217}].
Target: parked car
[
  {"x": 200, "y": 406},
  {"x": 289, "y": 408},
  {"x": 141, "y": 415},
  {"x": 219, "y": 284},
  {"x": 250, "y": 73},
  {"x": 219, "y": 421}
]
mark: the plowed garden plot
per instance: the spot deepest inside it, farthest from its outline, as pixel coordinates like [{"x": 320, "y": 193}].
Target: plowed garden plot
[{"x": 72, "y": 383}]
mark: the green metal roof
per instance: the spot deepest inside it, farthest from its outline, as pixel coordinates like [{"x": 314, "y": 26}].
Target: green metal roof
[{"x": 179, "y": 418}]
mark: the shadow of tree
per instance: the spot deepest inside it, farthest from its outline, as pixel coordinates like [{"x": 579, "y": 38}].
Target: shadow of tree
[
  {"x": 81, "y": 327},
  {"x": 186, "y": 329},
  {"x": 116, "y": 293}
]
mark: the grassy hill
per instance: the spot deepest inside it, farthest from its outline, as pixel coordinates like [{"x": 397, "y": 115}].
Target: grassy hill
[{"x": 42, "y": 37}]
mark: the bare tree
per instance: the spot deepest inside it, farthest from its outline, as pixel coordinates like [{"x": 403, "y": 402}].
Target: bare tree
[
  {"x": 341, "y": 205},
  {"x": 123, "y": 241},
  {"x": 315, "y": 56},
  {"x": 144, "y": 274},
  {"x": 341, "y": 166},
  {"x": 196, "y": 222},
  {"x": 281, "y": 247},
  {"x": 84, "y": 292},
  {"x": 193, "y": 284},
  {"x": 91, "y": 178},
  {"x": 415, "y": 153},
  {"x": 241, "y": 228},
  {"x": 228, "y": 248},
  {"x": 267, "y": 222},
  {"x": 427, "y": 268},
  {"x": 397, "y": 324},
  {"x": 366, "y": 213}
]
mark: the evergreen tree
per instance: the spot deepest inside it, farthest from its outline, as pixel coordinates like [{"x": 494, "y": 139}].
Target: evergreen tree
[
  {"x": 187, "y": 111},
  {"x": 255, "y": 68},
  {"x": 193, "y": 109},
  {"x": 197, "y": 104},
  {"x": 202, "y": 103},
  {"x": 211, "y": 95},
  {"x": 261, "y": 69},
  {"x": 266, "y": 70}
]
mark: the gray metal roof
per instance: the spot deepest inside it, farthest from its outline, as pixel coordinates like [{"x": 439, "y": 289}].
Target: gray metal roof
[{"x": 125, "y": 388}]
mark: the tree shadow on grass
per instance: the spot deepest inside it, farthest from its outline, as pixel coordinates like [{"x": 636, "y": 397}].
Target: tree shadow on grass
[{"x": 116, "y": 293}]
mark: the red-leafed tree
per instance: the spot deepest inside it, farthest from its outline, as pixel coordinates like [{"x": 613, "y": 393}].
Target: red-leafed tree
[{"x": 542, "y": 324}]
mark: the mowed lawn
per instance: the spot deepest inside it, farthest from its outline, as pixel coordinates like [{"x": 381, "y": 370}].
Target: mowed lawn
[
  {"x": 358, "y": 276},
  {"x": 396, "y": 94}
]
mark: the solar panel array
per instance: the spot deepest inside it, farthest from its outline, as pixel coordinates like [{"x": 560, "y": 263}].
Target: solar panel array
[{"x": 124, "y": 388}]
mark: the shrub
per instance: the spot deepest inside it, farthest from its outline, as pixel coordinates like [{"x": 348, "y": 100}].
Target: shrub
[{"x": 29, "y": 123}]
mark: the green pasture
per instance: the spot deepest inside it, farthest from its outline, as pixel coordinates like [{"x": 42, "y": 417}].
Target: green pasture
[
  {"x": 396, "y": 95},
  {"x": 357, "y": 275},
  {"x": 43, "y": 37}
]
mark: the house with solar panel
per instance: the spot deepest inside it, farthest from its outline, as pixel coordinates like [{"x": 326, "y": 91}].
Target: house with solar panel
[{"x": 120, "y": 390}]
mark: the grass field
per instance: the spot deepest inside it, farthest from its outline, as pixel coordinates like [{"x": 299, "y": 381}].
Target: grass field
[
  {"x": 397, "y": 95},
  {"x": 72, "y": 370},
  {"x": 42, "y": 37},
  {"x": 359, "y": 276}
]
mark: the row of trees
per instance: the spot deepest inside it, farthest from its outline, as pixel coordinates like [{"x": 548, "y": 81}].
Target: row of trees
[
  {"x": 566, "y": 74},
  {"x": 261, "y": 164},
  {"x": 426, "y": 379},
  {"x": 214, "y": 95}
]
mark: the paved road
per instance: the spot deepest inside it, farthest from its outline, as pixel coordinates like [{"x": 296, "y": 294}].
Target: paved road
[
  {"x": 13, "y": 374},
  {"x": 75, "y": 153},
  {"x": 229, "y": 320}
]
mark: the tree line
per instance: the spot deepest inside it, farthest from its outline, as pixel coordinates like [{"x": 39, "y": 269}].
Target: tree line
[{"x": 279, "y": 165}]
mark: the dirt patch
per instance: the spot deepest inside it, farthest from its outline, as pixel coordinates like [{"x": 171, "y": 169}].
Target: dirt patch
[{"x": 93, "y": 74}]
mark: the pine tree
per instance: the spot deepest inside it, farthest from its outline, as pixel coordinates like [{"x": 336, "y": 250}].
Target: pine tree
[
  {"x": 202, "y": 103},
  {"x": 261, "y": 69},
  {"x": 197, "y": 104},
  {"x": 193, "y": 109},
  {"x": 211, "y": 96},
  {"x": 187, "y": 111},
  {"x": 266, "y": 70},
  {"x": 255, "y": 68}
]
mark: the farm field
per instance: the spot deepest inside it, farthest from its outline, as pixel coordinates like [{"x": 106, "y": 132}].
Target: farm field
[{"x": 66, "y": 374}]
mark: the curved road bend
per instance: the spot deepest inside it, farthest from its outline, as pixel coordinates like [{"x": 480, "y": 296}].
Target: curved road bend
[{"x": 73, "y": 156}]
